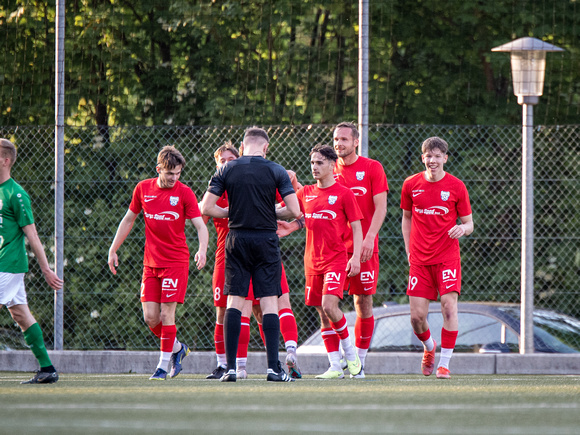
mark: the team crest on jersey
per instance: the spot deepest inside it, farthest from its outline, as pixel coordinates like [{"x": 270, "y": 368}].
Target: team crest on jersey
[
  {"x": 173, "y": 200},
  {"x": 444, "y": 195},
  {"x": 360, "y": 175},
  {"x": 332, "y": 199}
]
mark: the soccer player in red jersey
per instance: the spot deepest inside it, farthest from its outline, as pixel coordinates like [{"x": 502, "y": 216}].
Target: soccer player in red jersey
[
  {"x": 328, "y": 207},
  {"x": 367, "y": 180},
  {"x": 166, "y": 204},
  {"x": 432, "y": 202},
  {"x": 222, "y": 155}
]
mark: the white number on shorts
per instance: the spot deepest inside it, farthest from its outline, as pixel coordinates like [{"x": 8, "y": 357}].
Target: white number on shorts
[
  {"x": 308, "y": 292},
  {"x": 217, "y": 295},
  {"x": 412, "y": 282},
  {"x": 1, "y": 241}
]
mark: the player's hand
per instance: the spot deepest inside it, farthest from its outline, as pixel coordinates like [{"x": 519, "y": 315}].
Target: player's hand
[
  {"x": 294, "y": 180},
  {"x": 200, "y": 259},
  {"x": 113, "y": 262},
  {"x": 285, "y": 228},
  {"x": 53, "y": 280},
  {"x": 353, "y": 267},
  {"x": 456, "y": 232},
  {"x": 368, "y": 246}
]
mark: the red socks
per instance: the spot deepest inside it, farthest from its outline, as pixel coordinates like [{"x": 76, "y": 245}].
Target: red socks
[
  {"x": 340, "y": 328},
  {"x": 244, "y": 339},
  {"x": 448, "y": 338},
  {"x": 168, "y": 333},
  {"x": 363, "y": 332},
  {"x": 288, "y": 326},
  {"x": 331, "y": 339}
]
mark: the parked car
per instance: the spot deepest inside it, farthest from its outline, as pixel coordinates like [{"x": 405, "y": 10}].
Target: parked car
[{"x": 483, "y": 328}]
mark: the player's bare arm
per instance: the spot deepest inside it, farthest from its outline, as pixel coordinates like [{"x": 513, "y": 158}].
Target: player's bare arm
[
  {"x": 51, "y": 278},
  {"x": 368, "y": 245},
  {"x": 209, "y": 207},
  {"x": 353, "y": 265},
  {"x": 122, "y": 232},
  {"x": 406, "y": 229},
  {"x": 292, "y": 209},
  {"x": 203, "y": 236},
  {"x": 464, "y": 229}
]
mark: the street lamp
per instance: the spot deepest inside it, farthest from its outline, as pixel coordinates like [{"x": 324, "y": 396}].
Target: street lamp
[{"x": 528, "y": 59}]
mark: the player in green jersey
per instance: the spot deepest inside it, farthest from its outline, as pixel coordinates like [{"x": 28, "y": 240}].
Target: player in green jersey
[{"x": 16, "y": 221}]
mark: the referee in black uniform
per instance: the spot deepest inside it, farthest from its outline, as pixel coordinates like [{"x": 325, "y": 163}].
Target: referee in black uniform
[{"x": 252, "y": 249}]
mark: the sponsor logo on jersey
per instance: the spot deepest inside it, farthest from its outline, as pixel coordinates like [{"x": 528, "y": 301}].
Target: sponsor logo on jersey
[
  {"x": 322, "y": 214},
  {"x": 417, "y": 193},
  {"x": 163, "y": 216},
  {"x": 332, "y": 199},
  {"x": 358, "y": 190},
  {"x": 309, "y": 198},
  {"x": 150, "y": 198},
  {"x": 444, "y": 195},
  {"x": 173, "y": 200},
  {"x": 434, "y": 210},
  {"x": 360, "y": 175}
]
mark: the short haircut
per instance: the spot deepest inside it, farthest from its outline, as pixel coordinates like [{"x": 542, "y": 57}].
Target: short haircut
[
  {"x": 326, "y": 151},
  {"x": 256, "y": 132},
  {"x": 434, "y": 143},
  {"x": 169, "y": 158},
  {"x": 8, "y": 150},
  {"x": 228, "y": 146},
  {"x": 353, "y": 128}
]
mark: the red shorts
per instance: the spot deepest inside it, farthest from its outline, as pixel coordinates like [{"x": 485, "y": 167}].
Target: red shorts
[
  {"x": 365, "y": 283},
  {"x": 221, "y": 300},
  {"x": 427, "y": 281},
  {"x": 162, "y": 285},
  {"x": 330, "y": 283}
]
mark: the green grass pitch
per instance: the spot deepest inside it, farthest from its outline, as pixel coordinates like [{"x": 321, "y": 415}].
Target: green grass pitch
[{"x": 190, "y": 404}]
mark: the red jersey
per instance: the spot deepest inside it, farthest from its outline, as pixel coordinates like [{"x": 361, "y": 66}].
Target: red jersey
[
  {"x": 222, "y": 230},
  {"x": 435, "y": 209},
  {"x": 165, "y": 212},
  {"x": 327, "y": 212},
  {"x": 366, "y": 178}
]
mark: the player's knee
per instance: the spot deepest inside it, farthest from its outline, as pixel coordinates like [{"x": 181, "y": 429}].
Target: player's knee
[{"x": 418, "y": 320}]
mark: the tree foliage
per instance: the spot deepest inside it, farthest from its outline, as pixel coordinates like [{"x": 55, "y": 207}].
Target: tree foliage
[{"x": 226, "y": 62}]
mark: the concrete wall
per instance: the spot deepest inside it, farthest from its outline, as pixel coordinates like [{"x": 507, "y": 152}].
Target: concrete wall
[{"x": 310, "y": 364}]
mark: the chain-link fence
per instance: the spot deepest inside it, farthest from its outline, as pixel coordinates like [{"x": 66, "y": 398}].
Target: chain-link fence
[{"x": 102, "y": 311}]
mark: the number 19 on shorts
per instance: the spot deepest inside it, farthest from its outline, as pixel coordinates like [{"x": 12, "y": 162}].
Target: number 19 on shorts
[{"x": 413, "y": 280}]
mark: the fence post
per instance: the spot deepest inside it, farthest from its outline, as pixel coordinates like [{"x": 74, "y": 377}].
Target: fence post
[
  {"x": 363, "y": 76},
  {"x": 59, "y": 172}
]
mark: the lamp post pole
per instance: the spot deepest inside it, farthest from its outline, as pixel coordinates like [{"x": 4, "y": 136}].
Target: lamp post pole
[
  {"x": 528, "y": 61},
  {"x": 527, "y": 253}
]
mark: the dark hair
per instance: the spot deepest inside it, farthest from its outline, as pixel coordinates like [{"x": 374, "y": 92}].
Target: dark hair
[
  {"x": 256, "y": 132},
  {"x": 326, "y": 151},
  {"x": 351, "y": 125},
  {"x": 434, "y": 143},
  {"x": 8, "y": 150},
  {"x": 169, "y": 158},
  {"x": 228, "y": 146}
]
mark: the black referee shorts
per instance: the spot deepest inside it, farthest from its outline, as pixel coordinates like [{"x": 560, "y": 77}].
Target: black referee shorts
[{"x": 255, "y": 255}]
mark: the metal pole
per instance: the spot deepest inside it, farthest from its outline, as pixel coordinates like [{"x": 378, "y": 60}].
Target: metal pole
[
  {"x": 59, "y": 172},
  {"x": 363, "y": 77},
  {"x": 527, "y": 289}
]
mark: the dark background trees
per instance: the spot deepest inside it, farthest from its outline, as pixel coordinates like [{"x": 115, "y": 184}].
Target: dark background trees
[{"x": 228, "y": 62}]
